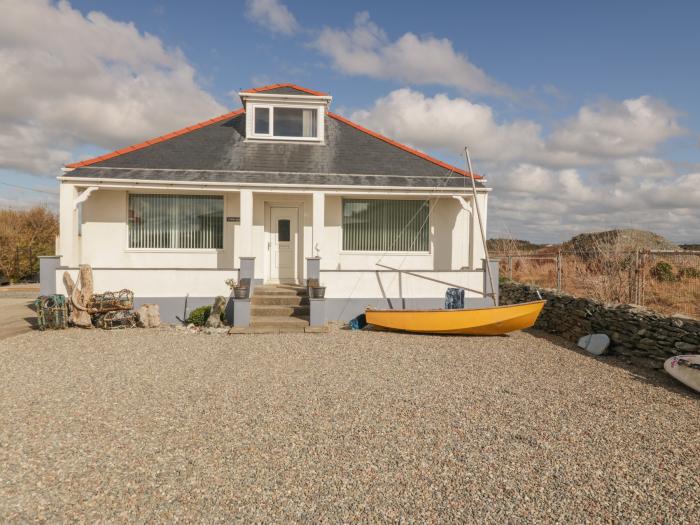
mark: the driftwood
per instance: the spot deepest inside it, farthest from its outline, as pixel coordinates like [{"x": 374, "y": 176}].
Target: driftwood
[{"x": 79, "y": 294}]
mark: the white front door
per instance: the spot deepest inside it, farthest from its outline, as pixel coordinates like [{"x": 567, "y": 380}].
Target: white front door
[{"x": 283, "y": 244}]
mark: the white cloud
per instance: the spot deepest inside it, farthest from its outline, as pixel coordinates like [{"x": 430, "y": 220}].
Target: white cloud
[
  {"x": 444, "y": 123},
  {"x": 73, "y": 80},
  {"x": 556, "y": 184},
  {"x": 612, "y": 129},
  {"x": 366, "y": 50},
  {"x": 272, "y": 15},
  {"x": 631, "y": 127},
  {"x": 541, "y": 204}
]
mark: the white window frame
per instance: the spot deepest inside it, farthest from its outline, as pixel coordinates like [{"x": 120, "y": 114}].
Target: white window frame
[
  {"x": 171, "y": 250},
  {"x": 250, "y": 122},
  {"x": 388, "y": 252}
]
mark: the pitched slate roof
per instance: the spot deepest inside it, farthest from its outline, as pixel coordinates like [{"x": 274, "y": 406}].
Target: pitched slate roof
[{"x": 216, "y": 151}]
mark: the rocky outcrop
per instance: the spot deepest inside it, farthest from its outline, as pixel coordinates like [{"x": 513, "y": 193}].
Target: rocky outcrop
[{"x": 640, "y": 334}]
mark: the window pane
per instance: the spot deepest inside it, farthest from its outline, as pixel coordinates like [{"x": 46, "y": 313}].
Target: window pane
[
  {"x": 176, "y": 221},
  {"x": 262, "y": 121},
  {"x": 283, "y": 233},
  {"x": 386, "y": 225},
  {"x": 295, "y": 122}
]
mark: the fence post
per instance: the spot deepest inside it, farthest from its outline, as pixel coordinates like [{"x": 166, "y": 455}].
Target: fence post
[
  {"x": 510, "y": 267},
  {"x": 634, "y": 283},
  {"x": 640, "y": 279},
  {"x": 559, "y": 271}
]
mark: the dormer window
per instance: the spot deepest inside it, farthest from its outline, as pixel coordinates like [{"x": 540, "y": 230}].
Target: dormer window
[
  {"x": 285, "y": 112},
  {"x": 285, "y": 122}
]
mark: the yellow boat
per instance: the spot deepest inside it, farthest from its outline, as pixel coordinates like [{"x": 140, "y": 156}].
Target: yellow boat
[{"x": 494, "y": 320}]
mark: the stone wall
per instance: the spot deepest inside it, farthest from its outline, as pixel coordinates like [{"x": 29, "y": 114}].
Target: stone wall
[{"x": 635, "y": 332}]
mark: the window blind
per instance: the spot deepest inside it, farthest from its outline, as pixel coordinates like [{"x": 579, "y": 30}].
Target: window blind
[
  {"x": 176, "y": 221},
  {"x": 386, "y": 225}
]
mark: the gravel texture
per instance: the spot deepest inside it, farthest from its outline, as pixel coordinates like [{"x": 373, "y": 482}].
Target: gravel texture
[{"x": 161, "y": 425}]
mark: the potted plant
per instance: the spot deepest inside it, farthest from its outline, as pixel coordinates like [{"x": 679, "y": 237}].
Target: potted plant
[
  {"x": 316, "y": 291},
  {"x": 240, "y": 290}
]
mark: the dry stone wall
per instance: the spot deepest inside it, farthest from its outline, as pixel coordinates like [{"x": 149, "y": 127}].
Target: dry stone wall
[{"x": 635, "y": 332}]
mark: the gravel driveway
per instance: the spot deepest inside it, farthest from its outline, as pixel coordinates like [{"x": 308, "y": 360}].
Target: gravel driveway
[{"x": 162, "y": 425}]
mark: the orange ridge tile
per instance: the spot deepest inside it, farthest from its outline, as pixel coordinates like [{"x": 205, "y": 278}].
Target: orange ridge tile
[{"x": 289, "y": 85}]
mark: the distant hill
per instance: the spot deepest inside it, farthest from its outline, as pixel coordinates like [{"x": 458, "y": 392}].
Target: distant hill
[
  {"x": 512, "y": 246},
  {"x": 619, "y": 241},
  {"x": 608, "y": 241},
  {"x": 693, "y": 247}
]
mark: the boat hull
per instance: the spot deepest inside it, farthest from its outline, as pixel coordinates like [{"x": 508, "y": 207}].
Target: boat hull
[{"x": 496, "y": 320}]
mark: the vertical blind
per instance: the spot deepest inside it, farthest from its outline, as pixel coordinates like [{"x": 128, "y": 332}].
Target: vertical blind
[
  {"x": 176, "y": 221},
  {"x": 386, "y": 225}
]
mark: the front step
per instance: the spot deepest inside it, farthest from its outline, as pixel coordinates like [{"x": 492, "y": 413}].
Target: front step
[
  {"x": 278, "y": 300},
  {"x": 279, "y": 308},
  {"x": 274, "y": 310},
  {"x": 279, "y": 291}
]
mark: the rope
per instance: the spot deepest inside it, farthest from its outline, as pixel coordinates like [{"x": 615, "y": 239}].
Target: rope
[
  {"x": 688, "y": 364},
  {"x": 431, "y": 209}
]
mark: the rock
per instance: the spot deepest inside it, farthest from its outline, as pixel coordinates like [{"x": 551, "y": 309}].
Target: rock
[
  {"x": 685, "y": 347},
  {"x": 148, "y": 316},
  {"x": 214, "y": 319},
  {"x": 596, "y": 344}
]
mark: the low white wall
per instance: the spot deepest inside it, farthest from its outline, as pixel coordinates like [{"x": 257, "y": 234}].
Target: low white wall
[
  {"x": 157, "y": 282},
  {"x": 409, "y": 285}
]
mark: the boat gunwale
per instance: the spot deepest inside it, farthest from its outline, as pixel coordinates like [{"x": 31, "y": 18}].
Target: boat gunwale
[{"x": 456, "y": 310}]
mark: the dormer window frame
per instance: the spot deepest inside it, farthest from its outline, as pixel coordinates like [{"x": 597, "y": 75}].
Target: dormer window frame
[
  {"x": 254, "y": 101},
  {"x": 252, "y": 107}
]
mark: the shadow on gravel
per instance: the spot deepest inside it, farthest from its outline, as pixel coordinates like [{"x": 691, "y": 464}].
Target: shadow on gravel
[{"x": 650, "y": 376}]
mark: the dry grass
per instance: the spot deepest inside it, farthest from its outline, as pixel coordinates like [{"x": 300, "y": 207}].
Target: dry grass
[{"x": 615, "y": 276}]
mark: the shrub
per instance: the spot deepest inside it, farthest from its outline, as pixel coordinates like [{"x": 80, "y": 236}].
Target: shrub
[
  {"x": 199, "y": 316},
  {"x": 663, "y": 272},
  {"x": 688, "y": 273}
]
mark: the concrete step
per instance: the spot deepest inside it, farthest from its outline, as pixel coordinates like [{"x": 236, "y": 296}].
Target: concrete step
[
  {"x": 279, "y": 322},
  {"x": 275, "y": 310},
  {"x": 279, "y": 291},
  {"x": 278, "y": 300}
]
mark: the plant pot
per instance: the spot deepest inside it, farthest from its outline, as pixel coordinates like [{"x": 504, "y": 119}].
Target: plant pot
[
  {"x": 241, "y": 292},
  {"x": 317, "y": 292}
]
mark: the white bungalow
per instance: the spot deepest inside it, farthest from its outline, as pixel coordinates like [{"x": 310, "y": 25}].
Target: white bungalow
[{"x": 266, "y": 189}]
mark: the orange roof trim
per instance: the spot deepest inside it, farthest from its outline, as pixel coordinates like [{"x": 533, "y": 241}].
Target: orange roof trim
[
  {"x": 288, "y": 85},
  {"x": 403, "y": 146},
  {"x": 156, "y": 140}
]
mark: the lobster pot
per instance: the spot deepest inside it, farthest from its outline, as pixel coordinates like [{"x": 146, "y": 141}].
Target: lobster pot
[
  {"x": 52, "y": 312},
  {"x": 108, "y": 301},
  {"x": 115, "y": 320}
]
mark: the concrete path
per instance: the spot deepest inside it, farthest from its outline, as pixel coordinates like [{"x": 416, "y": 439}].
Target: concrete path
[{"x": 16, "y": 314}]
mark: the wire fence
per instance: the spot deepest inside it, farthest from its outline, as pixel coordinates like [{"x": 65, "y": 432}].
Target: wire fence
[{"x": 664, "y": 281}]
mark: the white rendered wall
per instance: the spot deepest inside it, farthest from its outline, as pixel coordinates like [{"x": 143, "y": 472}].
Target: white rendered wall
[
  {"x": 378, "y": 284},
  {"x": 156, "y": 283},
  {"x": 103, "y": 244},
  {"x": 449, "y": 241},
  {"x": 104, "y": 241}
]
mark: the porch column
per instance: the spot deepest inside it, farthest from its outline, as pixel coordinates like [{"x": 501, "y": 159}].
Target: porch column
[
  {"x": 68, "y": 225},
  {"x": 319, "y": 211},
  {"x": 245, "y": 242}
]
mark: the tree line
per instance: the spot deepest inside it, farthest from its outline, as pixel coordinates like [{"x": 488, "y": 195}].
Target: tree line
[{"x": 25, "y": 235}]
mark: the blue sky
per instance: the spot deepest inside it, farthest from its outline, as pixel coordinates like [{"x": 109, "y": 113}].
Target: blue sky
[{"x": 583, "y": 115}]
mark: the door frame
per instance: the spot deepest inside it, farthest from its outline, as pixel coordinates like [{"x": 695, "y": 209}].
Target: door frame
[{"x": 299, "y": 206}]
